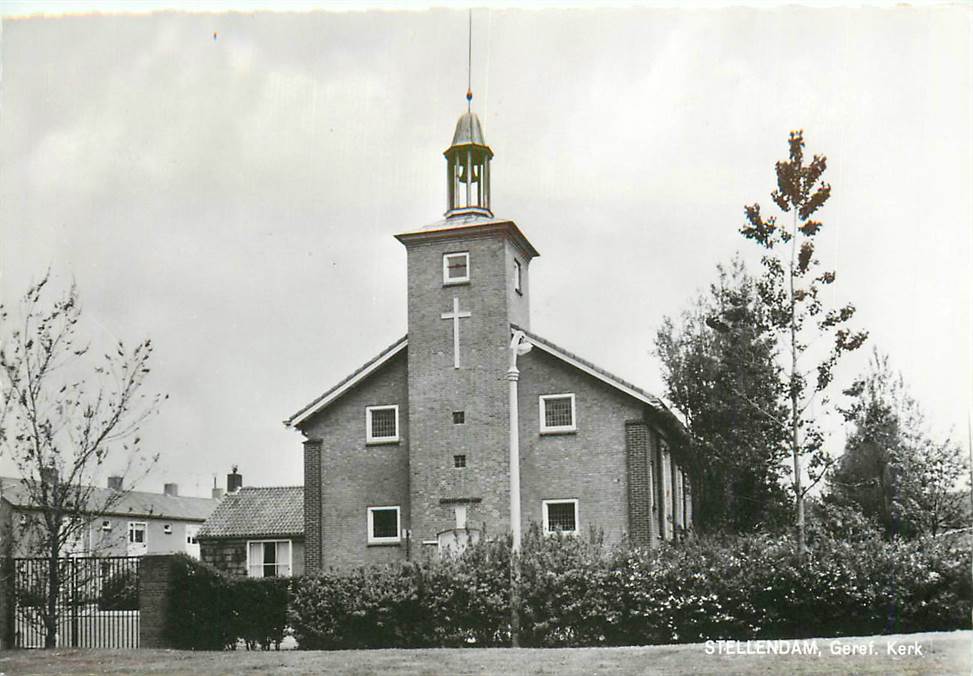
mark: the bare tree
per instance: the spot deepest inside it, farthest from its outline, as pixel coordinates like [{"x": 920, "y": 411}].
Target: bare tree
[{"x": 65, "y": 414}]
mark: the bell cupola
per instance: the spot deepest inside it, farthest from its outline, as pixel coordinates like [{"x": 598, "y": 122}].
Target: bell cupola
[{"x": 468, "y": 169}]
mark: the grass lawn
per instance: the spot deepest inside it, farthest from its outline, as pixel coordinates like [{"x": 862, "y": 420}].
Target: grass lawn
[{"x": 941, "y": 653}]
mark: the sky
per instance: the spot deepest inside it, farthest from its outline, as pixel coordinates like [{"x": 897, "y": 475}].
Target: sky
[{"x": 229, "y": 184}]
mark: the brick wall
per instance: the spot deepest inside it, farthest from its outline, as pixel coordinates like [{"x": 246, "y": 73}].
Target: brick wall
[
  {"x": 154, "y": 574},
  {"x": 312, "y": 505},
  {"x": 589, "y": 465},
  {"x": 355, "y": 475},
  {"x": 639, "y": 483},
  {"x": 230, "y": 556},
  {"x": 477, "y": 388}
]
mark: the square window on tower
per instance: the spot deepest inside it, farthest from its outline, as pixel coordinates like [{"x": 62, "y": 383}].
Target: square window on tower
[
  {"x": 459, "y": 417},
  {"x": 456, "y": 268},
  {"x": 459, "y": 461}
]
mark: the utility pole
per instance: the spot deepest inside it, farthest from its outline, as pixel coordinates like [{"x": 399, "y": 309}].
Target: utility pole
[{"x": 518, "y": 346}]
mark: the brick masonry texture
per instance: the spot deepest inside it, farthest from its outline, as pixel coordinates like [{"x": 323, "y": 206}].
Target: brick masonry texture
[
  {"x": 230, "y": 556},
  {"x": 606, "y": 464},
  {"x": 477, "y": 387},
  {"x": 312, "y": 505},
  {"x": 639, "y": 486},
  {"x": 355, "y": 475},
  {"x": 154, "y": 575}
]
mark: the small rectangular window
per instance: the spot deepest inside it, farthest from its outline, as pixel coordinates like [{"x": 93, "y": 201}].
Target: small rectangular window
[
  {"x": 557, "y": 413},
  {"x": 383, "y": 525},
  {"x": 106, "y": 525},
  {"x": 517, "y": 279},
  {"x": 381, "y": 424},
  {"x": 459, "y": 417},
  {"x": 456, "y": 268},
  {"x": 459, "y": 461},
  {"x": 560, "y": 516},
  {"x": 167, "y": 529}
]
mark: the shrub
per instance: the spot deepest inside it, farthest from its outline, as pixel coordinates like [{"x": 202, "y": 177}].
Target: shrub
[
  {"x": 576, "y": 592},
  {"x": 210, "y": 610},
  {"x": 119, "y": 591}
]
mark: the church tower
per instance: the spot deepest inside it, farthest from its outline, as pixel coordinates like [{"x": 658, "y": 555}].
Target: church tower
[{"x": 468, "y": 282}]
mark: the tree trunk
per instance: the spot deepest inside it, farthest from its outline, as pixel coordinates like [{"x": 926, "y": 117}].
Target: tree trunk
[{"x": 53, "y": 591}]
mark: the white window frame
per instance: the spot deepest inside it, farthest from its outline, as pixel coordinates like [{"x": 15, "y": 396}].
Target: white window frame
[
  {"x": 369, "y": 439},
  {"x": 133, "y": 526},
  {"x": 369, "y": 523},
  {"x": 577, "y": 516},
  {"x": 290, "y": 557},
  {"x": 557, "y": 429},
  {"x": 518, "y": 271},
  {"x": 447, "y": 280}
]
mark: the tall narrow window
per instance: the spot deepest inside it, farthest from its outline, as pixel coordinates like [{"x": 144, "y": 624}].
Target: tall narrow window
[
  {"x": 517, "y": 277},
  {"x": 456, "y": 268},
  {"x": 560, "y": 516},
  {"x": 383, "y": 525},
  {"x": 557, "y": 413},
  {"x": 381, "y": 424}
]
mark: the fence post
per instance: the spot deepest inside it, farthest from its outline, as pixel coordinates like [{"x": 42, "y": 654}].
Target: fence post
[
  {"x": 155, "y": 571},
  {"x": 6, "y": 603}
]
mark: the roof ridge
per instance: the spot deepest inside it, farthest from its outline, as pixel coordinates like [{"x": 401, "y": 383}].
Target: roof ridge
[
  {"x": 125, "y": 491},
  {"x": 654, "y": 400}
]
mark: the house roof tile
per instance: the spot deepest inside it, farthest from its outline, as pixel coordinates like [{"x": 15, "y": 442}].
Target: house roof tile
[{"x": 258, "y": 511}]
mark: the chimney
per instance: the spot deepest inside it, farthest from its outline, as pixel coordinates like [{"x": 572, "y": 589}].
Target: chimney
[
  {"x": 115, "y": 483},
  {"x": 49, "y": 475},
  {"x": 171, "y": 489},
  {"x": 234, "y": 481},
  {"x": 217, "y": 491}
]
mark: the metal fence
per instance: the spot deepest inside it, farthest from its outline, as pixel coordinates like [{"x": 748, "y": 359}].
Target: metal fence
[{"x": 97, "y": 605}]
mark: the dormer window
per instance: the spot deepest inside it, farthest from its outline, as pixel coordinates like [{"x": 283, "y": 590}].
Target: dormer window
[{"x": 456, "y": 268}]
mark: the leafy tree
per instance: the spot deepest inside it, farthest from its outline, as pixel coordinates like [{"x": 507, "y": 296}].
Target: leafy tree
[
  {"x": 64, "y": 414},
  {"x": 727, "y": 385},
  {"x": 790, "y": 291},
  {"x": 893, "y": 471}
]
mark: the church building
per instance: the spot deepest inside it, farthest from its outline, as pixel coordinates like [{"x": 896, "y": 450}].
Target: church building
[{"x": 411, "y": 453}]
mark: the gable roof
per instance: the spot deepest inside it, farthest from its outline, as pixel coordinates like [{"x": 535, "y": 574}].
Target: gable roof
[
  {"x": 543, "y": 344},
  {"x": 602, "y": 375},
  {"x": 132, "y": 503},
  {"x": 258, "y": 511},
  {"x": 343, "y": 386}
]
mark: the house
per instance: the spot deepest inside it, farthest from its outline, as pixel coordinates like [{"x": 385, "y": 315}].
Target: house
[
  {"x": 411, "y": 453},
  {"x": 137, "y": 523},
  {"x": 256, "y": 531}
]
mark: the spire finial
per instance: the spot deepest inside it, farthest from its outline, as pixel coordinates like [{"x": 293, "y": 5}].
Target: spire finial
[{"x": 469, "y": 62}]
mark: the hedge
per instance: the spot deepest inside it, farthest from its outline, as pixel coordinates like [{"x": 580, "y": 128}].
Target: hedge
[
  {"x": 579, "y": 593},
  {"x": 210, "y": 610}
]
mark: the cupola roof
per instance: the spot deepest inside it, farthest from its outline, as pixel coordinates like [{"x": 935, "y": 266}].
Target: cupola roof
[{"x": 468, "y": 131}]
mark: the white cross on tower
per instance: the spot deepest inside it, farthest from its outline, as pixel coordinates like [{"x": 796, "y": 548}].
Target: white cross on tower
[{"x": 455, "y": 315}]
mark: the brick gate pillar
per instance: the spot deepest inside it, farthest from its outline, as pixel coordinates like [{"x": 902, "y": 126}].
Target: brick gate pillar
[{"x": 155, "y": 572}]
